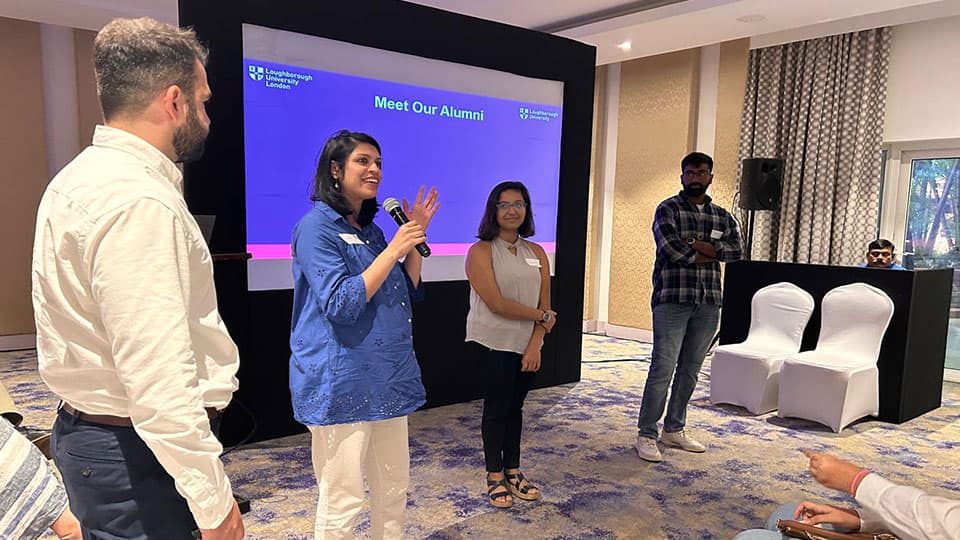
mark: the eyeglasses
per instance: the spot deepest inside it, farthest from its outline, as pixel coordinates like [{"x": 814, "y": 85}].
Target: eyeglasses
[
  {"x": 504, "y": 206},
  {"x": 878, "y": 254},
  {"x": 697, "y": 174}
]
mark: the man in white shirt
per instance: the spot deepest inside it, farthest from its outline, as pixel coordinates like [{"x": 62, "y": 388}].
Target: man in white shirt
[
  {"x": 128, "y": 332},
  {"x": 885, "y": 507}
]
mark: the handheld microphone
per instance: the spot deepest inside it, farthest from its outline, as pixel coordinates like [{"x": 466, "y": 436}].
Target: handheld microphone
[{"x": 392, "y": 207}]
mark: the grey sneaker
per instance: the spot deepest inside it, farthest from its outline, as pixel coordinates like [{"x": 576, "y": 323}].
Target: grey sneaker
[
  {"x": 680, "y": 440},
  {"x": 647, "y": 449}
]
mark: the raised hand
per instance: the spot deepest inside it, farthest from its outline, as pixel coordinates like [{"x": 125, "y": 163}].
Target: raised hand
[
  {"x": 831, "y": 472},
  {"x": 423, "y": 209}
]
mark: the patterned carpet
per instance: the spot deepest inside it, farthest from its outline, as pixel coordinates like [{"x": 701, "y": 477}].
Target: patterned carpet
[{"x": 578, "y": 446}]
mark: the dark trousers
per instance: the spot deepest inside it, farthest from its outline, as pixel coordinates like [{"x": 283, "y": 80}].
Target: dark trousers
[
  {"x": 505, "y": 388},
  {"x": 116, "y": 486}
]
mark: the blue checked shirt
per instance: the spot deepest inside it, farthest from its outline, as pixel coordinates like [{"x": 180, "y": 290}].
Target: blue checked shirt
[{"x": 676, "y": 278}]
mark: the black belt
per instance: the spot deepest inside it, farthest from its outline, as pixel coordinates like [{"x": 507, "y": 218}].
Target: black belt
[{"x": 118, "y": 421}]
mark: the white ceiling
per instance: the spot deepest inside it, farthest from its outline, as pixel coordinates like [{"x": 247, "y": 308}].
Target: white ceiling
[{"x": 674, "y": 26}]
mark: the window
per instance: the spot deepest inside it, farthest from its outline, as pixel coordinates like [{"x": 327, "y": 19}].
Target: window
[
  {"x": 921, "y": 215},
  {"x": 933, "y": 213}
]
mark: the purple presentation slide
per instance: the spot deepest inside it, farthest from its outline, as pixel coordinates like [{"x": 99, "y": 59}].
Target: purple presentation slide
[{"x": 462, "y": 143}]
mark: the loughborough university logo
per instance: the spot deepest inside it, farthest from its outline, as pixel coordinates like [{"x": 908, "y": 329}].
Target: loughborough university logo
[
  {"x": 256, "y": 72},
  {"x": 540, "y": 115}
]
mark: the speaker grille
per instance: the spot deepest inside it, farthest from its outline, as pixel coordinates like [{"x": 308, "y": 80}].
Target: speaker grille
[{"x": 760, "y": 183}]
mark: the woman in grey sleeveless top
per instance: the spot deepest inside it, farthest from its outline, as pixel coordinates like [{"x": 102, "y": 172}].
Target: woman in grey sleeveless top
[{"x": 509, "y": 315}]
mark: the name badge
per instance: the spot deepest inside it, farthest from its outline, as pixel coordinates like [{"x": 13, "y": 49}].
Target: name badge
[
  {"x": 716, "y": 235},
  {"x": 534, "y": 262},
  {"x": 351, "y": 238}
]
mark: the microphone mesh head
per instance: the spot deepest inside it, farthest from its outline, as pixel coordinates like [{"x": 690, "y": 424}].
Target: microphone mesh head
[{"x": 390, "y": 204}]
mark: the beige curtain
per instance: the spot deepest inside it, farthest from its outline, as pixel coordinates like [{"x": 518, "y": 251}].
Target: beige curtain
[{"x": 818, "y": 105}]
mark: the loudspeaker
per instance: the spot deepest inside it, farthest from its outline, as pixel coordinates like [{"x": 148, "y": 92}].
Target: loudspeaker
[{"x": 760, "y": 183}]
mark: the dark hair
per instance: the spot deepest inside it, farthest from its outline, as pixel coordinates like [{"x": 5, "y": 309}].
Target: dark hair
[
  {"x": 489, "y": 228},
  {"x": 880, "y": 243},
  {"x": 336, "y": 150},
  {"x": 136, "y": 59},
  {"x": 695, "y": 159}
]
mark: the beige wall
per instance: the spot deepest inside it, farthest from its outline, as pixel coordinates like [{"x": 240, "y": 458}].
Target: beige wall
[
  {"x": 88, "y": 105},
  {"x": 594, "y": 198},
  {"x": 657, "y": 127},
  {"x": 23, "y": 153},
  {"x": 730, "y": 89},
  {"x": 24, "y": 159}
]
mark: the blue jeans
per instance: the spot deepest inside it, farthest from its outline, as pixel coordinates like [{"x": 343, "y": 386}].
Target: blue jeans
[
  {"x": 116, "y": 486},
  {"x": 681, "y": 336},
  {"x": 770, "y": 532}
]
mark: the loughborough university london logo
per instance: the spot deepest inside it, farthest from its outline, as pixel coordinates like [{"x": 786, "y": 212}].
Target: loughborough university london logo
[
  {"x": 524, "y": 112},
  {"x": 256, "y": 72}
]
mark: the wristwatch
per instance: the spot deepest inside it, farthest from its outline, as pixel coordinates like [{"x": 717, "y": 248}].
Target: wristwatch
[
  {"x": 546, "y": 317},
  {"x": 691, "y": 240}
]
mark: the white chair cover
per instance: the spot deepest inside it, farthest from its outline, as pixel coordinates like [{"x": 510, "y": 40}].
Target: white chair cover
[
  {"x": 747, "y": 373},
  {"x": 838, "y": 382}
]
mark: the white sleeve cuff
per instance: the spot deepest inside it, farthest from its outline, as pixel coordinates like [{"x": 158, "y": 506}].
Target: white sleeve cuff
[
  {"x": 868, "y": 495},
  {"x": 209, "y": 512}
]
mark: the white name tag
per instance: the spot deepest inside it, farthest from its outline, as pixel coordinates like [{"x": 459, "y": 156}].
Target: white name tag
[
  {"x": 716, "y": 235},
  {"x": 534, "y": 262},
  {"x": 350, "y": 238}
]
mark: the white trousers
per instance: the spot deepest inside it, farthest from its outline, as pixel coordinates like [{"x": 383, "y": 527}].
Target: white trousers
[{"x": 343, "y": 454}]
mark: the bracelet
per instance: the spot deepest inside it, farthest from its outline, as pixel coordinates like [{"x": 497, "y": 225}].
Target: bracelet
[{"x": 856, "y": 481}]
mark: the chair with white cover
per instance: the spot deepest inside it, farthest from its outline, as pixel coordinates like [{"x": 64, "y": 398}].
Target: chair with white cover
[
  {"x": 748, "y": 373},
  {"x": 838, "y": 382}
]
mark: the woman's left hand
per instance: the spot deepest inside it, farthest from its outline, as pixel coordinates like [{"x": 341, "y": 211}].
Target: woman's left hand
[
  {"x": 423, "y": 209},
  {"x": 814, "y": 514},
  {"x": 531, "y": 360}
]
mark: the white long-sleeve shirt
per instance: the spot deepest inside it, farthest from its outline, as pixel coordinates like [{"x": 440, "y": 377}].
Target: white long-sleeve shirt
[
  {"x": 906, "y": 512},
  {"x": 126, "y": 310}
]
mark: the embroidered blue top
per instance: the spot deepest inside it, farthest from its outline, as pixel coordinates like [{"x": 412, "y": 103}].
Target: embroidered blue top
[{"x": 352, "y": 360}]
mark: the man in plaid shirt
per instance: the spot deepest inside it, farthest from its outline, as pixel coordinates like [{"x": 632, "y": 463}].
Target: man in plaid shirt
[{"x": 693, "y": 236}]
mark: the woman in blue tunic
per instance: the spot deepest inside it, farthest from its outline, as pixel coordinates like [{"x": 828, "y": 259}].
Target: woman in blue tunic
[{"x": 353, "y": 374}]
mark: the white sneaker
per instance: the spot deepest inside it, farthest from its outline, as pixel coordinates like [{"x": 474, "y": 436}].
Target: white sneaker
[
  {"x": 648, "y": 450},
  {"x": 680, "y": 440}
]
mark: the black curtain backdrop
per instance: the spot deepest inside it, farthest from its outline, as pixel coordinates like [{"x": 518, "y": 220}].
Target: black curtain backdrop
[{"x": 260, "y": 321}]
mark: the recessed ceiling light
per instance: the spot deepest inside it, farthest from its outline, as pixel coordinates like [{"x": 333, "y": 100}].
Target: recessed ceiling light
[
  {"x": 752, "y": 18},
  {"x": 625, "y": 46}
]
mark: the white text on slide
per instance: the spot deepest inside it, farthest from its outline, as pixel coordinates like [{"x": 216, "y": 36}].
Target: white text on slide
[{"x": 419, "y": 107}]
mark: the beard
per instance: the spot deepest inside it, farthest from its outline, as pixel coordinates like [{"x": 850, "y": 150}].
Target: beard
[
  {"x": 694, "y": 189},
  {"x": 189, "y": 140}
]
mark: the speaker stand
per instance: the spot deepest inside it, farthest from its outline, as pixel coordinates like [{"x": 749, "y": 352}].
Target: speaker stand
[{"x": 748, "y": 248}]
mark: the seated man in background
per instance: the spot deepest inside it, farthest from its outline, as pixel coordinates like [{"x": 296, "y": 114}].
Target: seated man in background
[
  {"x": 886, "y": 507},
  {"x": 8, "y": 409},
  {"x": 32, "y": 499},
  {"x": 880, "y": 255}
]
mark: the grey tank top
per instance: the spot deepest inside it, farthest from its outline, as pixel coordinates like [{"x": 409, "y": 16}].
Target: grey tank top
[{"x": 518, "y": 278}]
